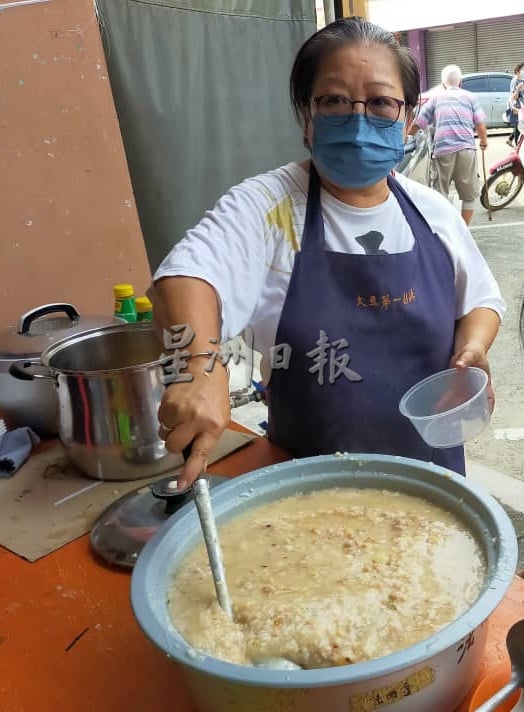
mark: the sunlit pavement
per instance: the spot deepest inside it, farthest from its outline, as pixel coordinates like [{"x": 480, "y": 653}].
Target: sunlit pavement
[{"x": 496, "y": 458}]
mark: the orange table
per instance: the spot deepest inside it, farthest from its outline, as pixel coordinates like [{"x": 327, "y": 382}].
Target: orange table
[{"x": 69, "y": 641}]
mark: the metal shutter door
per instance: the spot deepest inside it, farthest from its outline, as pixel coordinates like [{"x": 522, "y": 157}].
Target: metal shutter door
[
  {"x": 455, "y": 45},
  {"x": 500, "y": 44}
]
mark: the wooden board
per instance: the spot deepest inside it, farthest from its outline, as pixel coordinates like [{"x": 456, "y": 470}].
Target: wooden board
[{"x": 68, "y": 221}]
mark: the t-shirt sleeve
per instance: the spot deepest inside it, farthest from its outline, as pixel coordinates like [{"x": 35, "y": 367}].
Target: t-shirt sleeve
[
  {"x": 475, "y": 285},
  {"x": 426, "y": 115},
  {"x": 227, "y": 250},
  {"x": 479, "y": 117}
]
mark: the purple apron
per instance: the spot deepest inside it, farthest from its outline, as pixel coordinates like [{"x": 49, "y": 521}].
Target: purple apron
[{"x": 359, "y": 330}]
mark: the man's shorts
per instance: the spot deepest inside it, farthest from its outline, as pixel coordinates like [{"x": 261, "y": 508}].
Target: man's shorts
[{"x": 460, "y": 168}]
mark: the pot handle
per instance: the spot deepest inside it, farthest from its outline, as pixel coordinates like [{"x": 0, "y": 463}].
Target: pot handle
[
  {"x": 29, "y": 317},
  {"x": 20, "y": 370}
]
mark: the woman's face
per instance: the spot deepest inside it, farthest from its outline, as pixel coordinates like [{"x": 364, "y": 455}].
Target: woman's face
[{"x": 358, "y": 72}]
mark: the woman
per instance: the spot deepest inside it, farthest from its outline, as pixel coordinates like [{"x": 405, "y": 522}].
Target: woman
[
  {"x": 515, "y": 100},
  {"x": 364, "y": 281}
]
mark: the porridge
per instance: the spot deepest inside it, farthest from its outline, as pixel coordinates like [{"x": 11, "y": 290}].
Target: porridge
[{"x": 330, "y": 578}]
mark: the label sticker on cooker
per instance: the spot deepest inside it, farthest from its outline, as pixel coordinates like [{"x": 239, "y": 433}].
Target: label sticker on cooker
[{"x": 389, "y": 694}]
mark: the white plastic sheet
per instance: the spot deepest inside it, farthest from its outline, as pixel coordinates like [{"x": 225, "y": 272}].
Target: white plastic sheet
[{"x": 417, "y": 163}]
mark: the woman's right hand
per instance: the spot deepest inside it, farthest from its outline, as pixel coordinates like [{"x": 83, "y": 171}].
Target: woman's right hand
[{"x": 195, "y": 412}]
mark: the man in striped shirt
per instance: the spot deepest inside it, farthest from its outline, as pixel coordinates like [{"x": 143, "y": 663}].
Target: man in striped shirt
[{"x": 456, "y": 115}]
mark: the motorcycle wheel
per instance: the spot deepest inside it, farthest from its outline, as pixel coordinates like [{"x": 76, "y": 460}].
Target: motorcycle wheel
[{"x": 502, "y": 188}]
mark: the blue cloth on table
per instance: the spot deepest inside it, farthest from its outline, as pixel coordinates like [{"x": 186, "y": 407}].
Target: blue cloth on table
[{"x": 15, "y": 448}]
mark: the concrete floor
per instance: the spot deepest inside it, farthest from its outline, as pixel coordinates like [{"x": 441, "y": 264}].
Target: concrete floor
[
  {"x": 496, "y": 459},
  {"x": 501, "y": 241}
]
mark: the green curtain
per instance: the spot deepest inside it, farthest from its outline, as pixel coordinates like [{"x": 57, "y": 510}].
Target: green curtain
[{"x": 201, "y": 93}]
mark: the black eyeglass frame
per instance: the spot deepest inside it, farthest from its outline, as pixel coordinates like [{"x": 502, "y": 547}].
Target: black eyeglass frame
[{"x": 344, "y": 118}]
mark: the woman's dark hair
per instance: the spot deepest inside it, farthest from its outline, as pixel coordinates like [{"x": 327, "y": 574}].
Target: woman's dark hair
[
  {"x": 518, "y": 67},
  {"x": 352, "y": 30}
]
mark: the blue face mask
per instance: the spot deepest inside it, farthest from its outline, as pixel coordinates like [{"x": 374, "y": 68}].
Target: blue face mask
[{"x": 358, "y": 153}]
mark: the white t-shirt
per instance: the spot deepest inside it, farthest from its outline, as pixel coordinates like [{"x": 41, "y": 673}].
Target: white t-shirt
[{"x": 245, "y": 247}]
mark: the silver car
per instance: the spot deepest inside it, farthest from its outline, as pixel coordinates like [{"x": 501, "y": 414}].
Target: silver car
[{"x": 492, "y": 90}]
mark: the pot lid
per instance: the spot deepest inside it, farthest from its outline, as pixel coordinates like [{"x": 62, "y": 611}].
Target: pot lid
[
  {"x": 44, "y": 325},
  {"x": 124, "y": 528}
]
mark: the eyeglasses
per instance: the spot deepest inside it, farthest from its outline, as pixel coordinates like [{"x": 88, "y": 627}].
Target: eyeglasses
[{"x": 379, "y": 110}]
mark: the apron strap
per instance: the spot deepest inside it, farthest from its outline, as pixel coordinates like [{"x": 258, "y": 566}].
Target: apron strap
[
  {"x": 313, "y": 236},
  {"x": 418, "y": 223}
]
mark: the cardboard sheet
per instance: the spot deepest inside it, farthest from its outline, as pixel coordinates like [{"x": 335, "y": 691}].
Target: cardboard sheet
[{"x": 49, "y": 502}]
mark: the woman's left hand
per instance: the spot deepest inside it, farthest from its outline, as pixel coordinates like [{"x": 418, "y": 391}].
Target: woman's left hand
[{"x": 472, "y": 354}]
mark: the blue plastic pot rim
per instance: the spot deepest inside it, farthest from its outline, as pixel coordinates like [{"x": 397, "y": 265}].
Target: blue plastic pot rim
[{"x": 149, "y": 595}]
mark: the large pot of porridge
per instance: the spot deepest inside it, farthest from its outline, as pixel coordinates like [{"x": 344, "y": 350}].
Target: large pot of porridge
[{"x": 433, "y": 675}]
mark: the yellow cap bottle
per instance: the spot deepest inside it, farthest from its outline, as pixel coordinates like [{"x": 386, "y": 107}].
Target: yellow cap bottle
[
  {"x": 123, "y": 291},
  {"x": 144, "y": 309},
  {"x": 125, "y": 302}
]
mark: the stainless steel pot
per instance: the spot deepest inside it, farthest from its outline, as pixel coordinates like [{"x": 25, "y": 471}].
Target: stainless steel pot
[
  {"x": 109, "y": 386},
  {"x": 434, "y": 675},
  {"x": 34, "y": 403}
]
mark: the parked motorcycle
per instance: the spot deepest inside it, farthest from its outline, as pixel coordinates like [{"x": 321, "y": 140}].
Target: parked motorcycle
[{"x": 505, "y": 181}]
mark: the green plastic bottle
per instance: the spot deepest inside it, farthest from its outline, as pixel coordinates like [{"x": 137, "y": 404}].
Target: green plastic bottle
[
  {"x": 144, "y": 309},
  {"x": 125, "y": 302}
]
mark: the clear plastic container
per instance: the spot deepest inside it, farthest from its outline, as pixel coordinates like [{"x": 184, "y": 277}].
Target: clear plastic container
[{"x": 450, "y": 407}]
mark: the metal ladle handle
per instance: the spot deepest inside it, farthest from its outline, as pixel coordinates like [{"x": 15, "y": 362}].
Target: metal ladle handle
[
  {"x": 492, "y": 704},
  {"x": 210, "y": 532}
]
